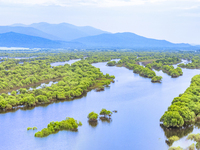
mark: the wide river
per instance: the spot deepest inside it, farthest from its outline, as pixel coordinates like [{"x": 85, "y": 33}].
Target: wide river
[{"x": 139, "y": 103}]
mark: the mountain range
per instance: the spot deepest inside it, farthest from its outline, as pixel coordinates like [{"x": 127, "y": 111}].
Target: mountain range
[
  {"x": 62, "y": 31},
  {"x": 64, "y": 35}
]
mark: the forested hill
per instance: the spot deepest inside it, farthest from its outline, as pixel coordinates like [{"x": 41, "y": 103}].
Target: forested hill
[
  {"x": 127, "y": 40},
  {"x": 12, "y": 39}
]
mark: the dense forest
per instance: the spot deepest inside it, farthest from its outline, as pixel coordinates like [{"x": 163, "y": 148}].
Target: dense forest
[{"x": 74, "y": 80}]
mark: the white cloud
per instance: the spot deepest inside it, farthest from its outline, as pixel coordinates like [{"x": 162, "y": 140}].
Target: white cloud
[{"x": 100, "y": 3}]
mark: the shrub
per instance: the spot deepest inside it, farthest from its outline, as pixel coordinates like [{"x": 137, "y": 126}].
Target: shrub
[
  {"x": 29, "y": 128},
  {"x": 53, "y": 127}
]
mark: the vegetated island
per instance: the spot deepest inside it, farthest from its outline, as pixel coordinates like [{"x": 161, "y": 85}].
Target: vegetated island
[
  {"x": 76, "y": 79},
  {"x": 26, "y": 72},
  {"x": 156, "y": 79},
  {"x": 185, "y": 108},
  {"x": 105, "y": 112},
  {"x": 170, "y": 70},
  {"x": 30, "y": 128},
  {"x": 195, "y": 64},
  {"x": 53, "y": 127},
  {"x": 111, "y": 63},
  {"x": 150, "y": 64},
  {"x": 92, "y": 116}
]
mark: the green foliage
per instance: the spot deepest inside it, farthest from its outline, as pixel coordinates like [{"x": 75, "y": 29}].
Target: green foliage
[
  {"x": 156, "y": 79},
  {"x": 80, "y": 123},
  {"x": 92, "y": 116},
  {"x": 194, "y": 137},
  {"x": 171, "y": 71},
  {"x": 195, "y": 64},
  {"x": 74, "y": 81},
  {"x": 34, "y": 128},
  {"x": 168, "y": 61},
  {"x": 191, "y": 147},
  {"x": 175, "y": 148},
  {"x": 53, "y": 127},
  {"x": 3, "y": 103},
  {"x": 81, "y": 76},
  {"x": 173, "y": 138},
  {"x": 172, "y": 119},
  {"x": 29, "y": 128},
  {"x": 187, "y": 105},
  {"x": 111, "y": 63},
  {"x": 143, "y": 71},
  {"x": 105, "y": 112}
]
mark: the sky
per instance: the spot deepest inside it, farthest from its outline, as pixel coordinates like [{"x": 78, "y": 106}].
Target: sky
[{"x": 177, "y": 21}]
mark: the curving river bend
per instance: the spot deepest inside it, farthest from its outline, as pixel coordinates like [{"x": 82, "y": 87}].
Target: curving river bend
[{"x": 139, "y": 103}]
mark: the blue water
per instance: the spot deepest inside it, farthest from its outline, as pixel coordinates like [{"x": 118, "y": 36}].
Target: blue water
[
  {"x": 65, "y": 62},
  {"x": 139, "y": 103}
]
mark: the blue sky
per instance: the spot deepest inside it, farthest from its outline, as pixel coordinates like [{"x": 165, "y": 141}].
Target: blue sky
[{"x": 177, "y": 21}]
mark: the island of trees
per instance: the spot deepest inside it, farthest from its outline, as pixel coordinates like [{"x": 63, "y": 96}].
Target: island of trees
[
  {"x": 185, "y": 108},
  {"x": 54, "y": 127},
  {"x": 111, "y": 63},
  {"x": 73, "y": 81},
  {"x": 92, "y": 116}
]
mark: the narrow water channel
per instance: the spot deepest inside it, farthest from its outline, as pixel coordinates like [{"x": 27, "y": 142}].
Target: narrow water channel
[{"x": 139, "y": 103}]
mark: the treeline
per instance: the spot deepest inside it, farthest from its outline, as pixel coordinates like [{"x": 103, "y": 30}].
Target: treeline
[
  {"x": 185, "y": 108},
  {"x": 75, "y": 80}
]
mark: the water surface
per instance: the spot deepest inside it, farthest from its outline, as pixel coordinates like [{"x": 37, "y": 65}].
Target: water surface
[
  {"x": 139, "y": 103},
  {"x": 65, "y": 62}
]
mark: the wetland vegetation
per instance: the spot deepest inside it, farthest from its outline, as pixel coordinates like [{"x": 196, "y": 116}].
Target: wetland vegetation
[{"x": 80, "y": 77}]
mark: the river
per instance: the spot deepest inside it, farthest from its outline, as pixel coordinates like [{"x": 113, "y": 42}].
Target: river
[{"x": 139, "y": 103}]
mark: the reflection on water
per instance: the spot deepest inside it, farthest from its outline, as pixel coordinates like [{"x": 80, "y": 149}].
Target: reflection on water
[
  {"x": 93, "y": 123},
  {"x": 37, "y": 86},
  {"x": 65, "y": 62},
  {"x": 105, "y": 119},
  {"x": 184, "y": 61},
  {"x": 180, "y": 132}
]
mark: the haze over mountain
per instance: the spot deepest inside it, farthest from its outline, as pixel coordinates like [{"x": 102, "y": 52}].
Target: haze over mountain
[
  {"x": 28, "y": 31},
  {"x": 63, "y": 31},
  {"x": 12, "y": 39},
  {"x": 106, "y": 40},
  {"x": 126, "y": 40}
]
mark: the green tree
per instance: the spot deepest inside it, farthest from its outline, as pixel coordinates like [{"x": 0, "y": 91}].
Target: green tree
[{"x": 92, "y": 116}]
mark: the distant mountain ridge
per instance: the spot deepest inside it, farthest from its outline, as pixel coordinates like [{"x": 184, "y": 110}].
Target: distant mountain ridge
[
  {"x": 28, "y": 31},
  {"x": 64, "y": 35},
  {"x": 62, "y": 31},
  {"x": 12, "y": 39},
  {"x": 126, "y": 40}
]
